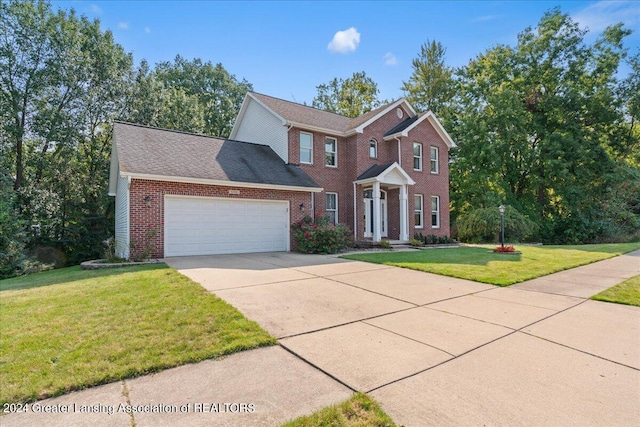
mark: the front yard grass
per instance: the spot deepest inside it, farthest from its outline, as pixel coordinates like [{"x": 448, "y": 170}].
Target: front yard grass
[
  {"x": 359, "y": 411},
  {"x": 627, "y": 292},
  {"x": 480, "y": 264},
  {"x": 69, "y": 329}
]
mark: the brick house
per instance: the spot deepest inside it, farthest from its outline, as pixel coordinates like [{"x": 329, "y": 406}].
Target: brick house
[{"x": 383, "y": 174}]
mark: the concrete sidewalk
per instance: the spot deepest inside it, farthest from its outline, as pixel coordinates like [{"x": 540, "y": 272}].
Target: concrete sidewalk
[{"x": 432, "y": 350}]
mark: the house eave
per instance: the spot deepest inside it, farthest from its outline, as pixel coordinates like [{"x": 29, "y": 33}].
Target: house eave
[
  {"x": 222, "y": 183},
  {"x": 312, "y": 128}
]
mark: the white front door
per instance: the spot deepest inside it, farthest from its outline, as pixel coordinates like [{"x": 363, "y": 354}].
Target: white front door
[{"x": 368, "y": 213}]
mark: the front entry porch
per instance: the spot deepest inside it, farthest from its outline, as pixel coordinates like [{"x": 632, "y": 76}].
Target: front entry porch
[{"x": 374, "y": 211}]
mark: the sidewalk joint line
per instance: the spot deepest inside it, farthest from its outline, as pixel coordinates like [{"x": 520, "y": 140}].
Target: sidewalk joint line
[
  {"x": 125, "y": 393},
  {"x": 317, "y": 367},
  {"x": 410, "y": 339}
]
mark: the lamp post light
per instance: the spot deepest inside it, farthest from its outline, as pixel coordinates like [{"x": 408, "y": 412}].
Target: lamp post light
[{"x": 501, "y": 208}]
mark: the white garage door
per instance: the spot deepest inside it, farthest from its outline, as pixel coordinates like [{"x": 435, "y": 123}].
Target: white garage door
[{"x": 204, "y": 226}]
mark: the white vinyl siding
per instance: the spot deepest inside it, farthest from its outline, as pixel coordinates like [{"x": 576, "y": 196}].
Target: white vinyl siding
[
  {"x": 209, "y": 226},
  {"x": 417, "y": 156},
  {"x": 262, "y": 127},
  {"x": 434, "y": 159},
  {"x": 331, "y": 208},
  {"x": 435, "y": 212},
  {"x": 418, "y": 210},
  {"x": 122, "y": 218},
  {"x": 306, "y": 148}
]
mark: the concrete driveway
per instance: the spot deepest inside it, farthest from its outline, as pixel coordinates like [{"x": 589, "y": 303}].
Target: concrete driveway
[
  {"x": 439, "y": 351},
  {"x": 432, "y": 350}
]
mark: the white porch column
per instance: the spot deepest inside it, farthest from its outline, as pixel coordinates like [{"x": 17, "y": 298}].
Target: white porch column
[
  {"x": 377, "y": 223},
  {"x": 404, "y": 214}
]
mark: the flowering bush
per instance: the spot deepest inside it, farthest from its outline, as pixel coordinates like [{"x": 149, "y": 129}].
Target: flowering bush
[
  {"x": 504, "y": 249},
  {"x": 320, "y": 236}
]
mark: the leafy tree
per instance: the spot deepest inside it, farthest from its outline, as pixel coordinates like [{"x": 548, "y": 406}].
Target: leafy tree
[
  {"x": 63, "y": 81},
  {"x": 218, "y": 94},
  {"x": 352, "y": 97},
  {"x": 432, "y": 84},
  {"x": 535, "y": 128}
]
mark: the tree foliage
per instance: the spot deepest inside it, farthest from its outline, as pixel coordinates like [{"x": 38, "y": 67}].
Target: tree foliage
[
  {"x": 351, "y": 97},
  {"x": 191, "y": 96},
  {"x": 483, "y": 226},
  {"x": 547, "y": 127},
  {"x": 431, "y": 86},
  {"x": 63, "y": 81}
]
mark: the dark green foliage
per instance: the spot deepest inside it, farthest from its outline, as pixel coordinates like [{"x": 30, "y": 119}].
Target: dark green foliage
[
  {"x": 546, "y": 126},
  {"x": 352, "y": 97},
  {"x": 483, "y": 226},
  {"x": 320, "y": 236},
  {"x": 432, "y": 239}
]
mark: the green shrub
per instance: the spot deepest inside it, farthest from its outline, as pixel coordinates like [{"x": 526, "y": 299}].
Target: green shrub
[
  {"x": 483, "y": 226},
  {"x": 432, "y": 239},
  {"x": 385, "y": 244},
  {"x": 320, "y": 236}
]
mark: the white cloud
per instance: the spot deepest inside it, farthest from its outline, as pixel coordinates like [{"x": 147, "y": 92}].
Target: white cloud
[
  {"x": 390, "y": 59},
  {"x": 344, "y": 41},
  {"x": 94, "y": 8},
  {"x": 147, "y": 30},
  {"x": 123, "y": 25},
  {"x": 600, "y": 15}
]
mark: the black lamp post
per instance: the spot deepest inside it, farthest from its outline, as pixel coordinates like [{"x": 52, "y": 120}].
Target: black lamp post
[{"x": 501, "y": 209}]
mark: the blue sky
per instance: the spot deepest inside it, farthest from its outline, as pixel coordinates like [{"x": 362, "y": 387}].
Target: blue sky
[{"x": 286, "y": 49}]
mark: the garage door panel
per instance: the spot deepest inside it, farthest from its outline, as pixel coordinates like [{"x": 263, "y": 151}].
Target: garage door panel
[{"x": 201, "y": 226}]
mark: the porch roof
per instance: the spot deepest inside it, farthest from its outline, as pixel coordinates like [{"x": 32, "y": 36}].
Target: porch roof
[{"x": 389, "y": 174}]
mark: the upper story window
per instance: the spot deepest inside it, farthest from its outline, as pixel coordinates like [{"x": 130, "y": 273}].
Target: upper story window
[
  {"x": 373, "y": 148},
  {"x": 417, "y": 156},
  {"x": 434, "y": 159},
  {"x": 306, "y": 148},
  {"x": 330, "y": 152},
  {"x": 331, "y": 208}
]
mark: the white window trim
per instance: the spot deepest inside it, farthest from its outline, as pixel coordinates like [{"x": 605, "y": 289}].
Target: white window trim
[
  {"x": 335, "y": 153},
  {"x": 331, "y": 210},
  {"x": 419, "y": 156},
  {"x": 300, "y": 148},
  {"x": 375, "y": 141},
  {"x": 435, "y": 170},
  {"x": 437, "y": 212},
  {"x": 420, "y": 209}
]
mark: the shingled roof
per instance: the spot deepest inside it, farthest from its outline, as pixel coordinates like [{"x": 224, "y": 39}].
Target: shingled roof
[
  {"x": 314, "y": 117},
  {"x": 147, "y": 151}
]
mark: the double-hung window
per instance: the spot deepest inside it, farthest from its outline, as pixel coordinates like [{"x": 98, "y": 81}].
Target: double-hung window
[
  {"x": 434, "y": 160},
  {"x": 331, "y": 208},
  {"x": 435, "y": 212},
  {"x": 306, "y": 148},
  {"x": 417, "y": 211},
  {"x": 417, "y": 156},
  {"x": 330, "y": 152}
]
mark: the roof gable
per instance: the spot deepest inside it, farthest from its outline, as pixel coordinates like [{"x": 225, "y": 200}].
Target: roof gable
[
  {"x": 403, "y": 128},
  {"x": 387, "y": 174},
  {"x": 311, "y": 118}
]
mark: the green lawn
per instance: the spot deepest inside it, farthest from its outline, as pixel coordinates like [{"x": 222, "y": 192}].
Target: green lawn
[
  {"x": 359, "y": 411},
  {"x": 627, "y": 292},
  {"x": 482, "y": 265},
  {"x": 68, "y": 329}
]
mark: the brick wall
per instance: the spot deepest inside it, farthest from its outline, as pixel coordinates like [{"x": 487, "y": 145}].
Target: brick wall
[
  {"x": 354, "y": 159},
  {"x": 143, "y": 217}
]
